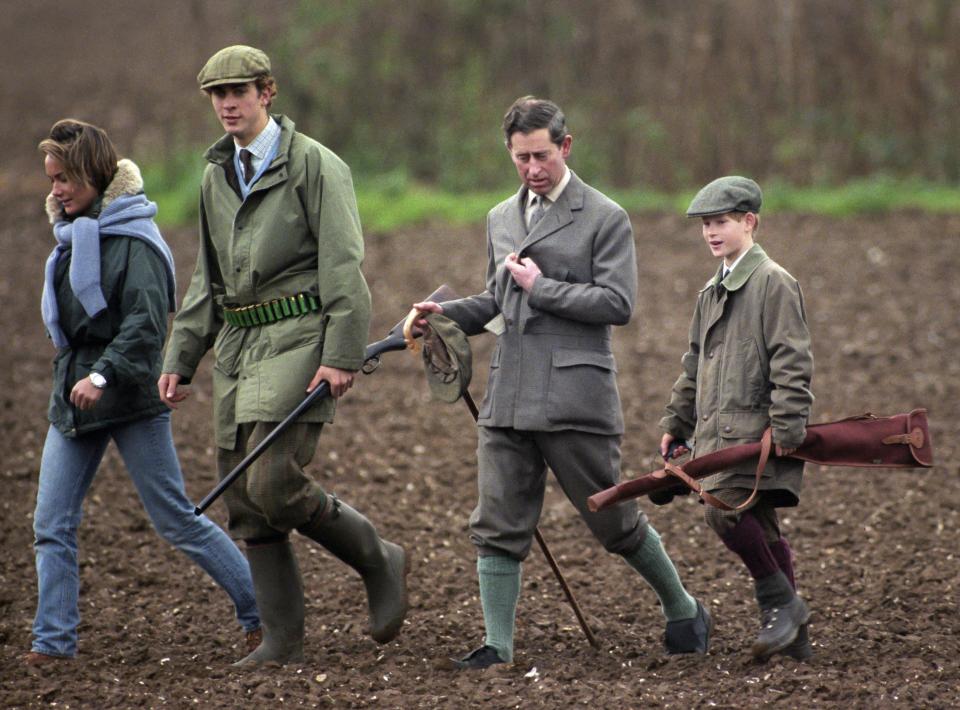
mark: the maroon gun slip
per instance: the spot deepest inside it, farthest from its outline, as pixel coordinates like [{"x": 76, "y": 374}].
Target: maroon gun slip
[{"x": 865, "y": 441}]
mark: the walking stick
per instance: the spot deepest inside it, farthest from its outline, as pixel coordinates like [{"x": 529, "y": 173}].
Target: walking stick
[{"x": 571, "y": 599}]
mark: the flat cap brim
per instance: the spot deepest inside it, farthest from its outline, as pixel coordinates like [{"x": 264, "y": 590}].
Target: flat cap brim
[{"x": 731, "y": 193}]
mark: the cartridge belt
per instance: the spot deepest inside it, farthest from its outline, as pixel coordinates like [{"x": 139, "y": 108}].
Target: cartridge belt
[{"x": 271, "y": 311}]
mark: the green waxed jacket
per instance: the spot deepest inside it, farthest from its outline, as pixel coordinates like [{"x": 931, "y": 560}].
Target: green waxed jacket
[
  {"x": 298, "y": 230},
  {"x": 748, "y": 366}
]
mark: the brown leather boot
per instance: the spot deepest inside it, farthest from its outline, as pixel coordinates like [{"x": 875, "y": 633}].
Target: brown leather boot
[
  {"x": 37, "y": 660},
  {"x": 252, "y": 639}
]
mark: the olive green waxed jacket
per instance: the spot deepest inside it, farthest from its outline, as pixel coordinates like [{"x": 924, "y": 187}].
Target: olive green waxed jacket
[
  {"x": 748, "y": 366},
  {"x": 298, "y": 230}
]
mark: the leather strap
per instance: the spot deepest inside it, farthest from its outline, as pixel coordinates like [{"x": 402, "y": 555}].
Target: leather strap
[
  {"x": 914, "y": 438},
  {"x": 766, "y": 442}
]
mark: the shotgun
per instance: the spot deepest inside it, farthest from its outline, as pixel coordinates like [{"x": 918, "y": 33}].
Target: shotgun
[{"x": 393, "y": 341}]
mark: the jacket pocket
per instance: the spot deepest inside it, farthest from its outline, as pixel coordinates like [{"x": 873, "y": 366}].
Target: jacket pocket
[
  {"x": 486, "y": 407},
  {"x": 227, "y": 349},
  {"x": 582, "y": 390},
  {"x": 270, "y": 388},
  {"x": 742, "y": 427},
  {"x": 743, "y": 383}
]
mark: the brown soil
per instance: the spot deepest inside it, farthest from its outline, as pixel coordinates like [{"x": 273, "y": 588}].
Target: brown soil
[{"x": 876, "y": 549}]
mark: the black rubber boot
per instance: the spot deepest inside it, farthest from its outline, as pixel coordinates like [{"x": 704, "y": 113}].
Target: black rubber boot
[
  {"x": 382, "y": 565},
  {"x": 279, "y": 593},
  {"x": 690, "y": 635},
  {"x": 782, "y": 613}
]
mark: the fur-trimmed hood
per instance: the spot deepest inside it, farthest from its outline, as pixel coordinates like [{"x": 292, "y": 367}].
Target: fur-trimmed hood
[{"x": 127, "y": 181}]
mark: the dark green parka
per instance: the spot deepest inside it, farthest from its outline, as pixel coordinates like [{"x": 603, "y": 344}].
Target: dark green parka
[{"x": 125, "y": 341}]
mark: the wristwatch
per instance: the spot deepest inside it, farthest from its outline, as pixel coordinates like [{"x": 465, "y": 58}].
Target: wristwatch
[{"x": 98, "y": 380}]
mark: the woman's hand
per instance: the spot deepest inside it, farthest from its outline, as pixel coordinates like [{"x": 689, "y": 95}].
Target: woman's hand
[{"x": 84, "y": 395}]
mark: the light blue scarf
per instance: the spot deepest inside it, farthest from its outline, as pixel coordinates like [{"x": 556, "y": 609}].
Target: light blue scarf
[{"x": 127, "y": 216}]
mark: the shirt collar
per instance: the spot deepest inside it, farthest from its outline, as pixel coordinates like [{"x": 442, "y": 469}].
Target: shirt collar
[
  {"x": 751, "y": 260},
  {"x": 728, "y": 269},
  {"x": 260, "y": 145},
  {"x": 557, "y": 190}
]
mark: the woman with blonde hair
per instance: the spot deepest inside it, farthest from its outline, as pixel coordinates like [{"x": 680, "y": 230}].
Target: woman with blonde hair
[{"x": 108, "y": 287}]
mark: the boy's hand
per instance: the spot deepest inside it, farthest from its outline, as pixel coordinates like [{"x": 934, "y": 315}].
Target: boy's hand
[
  {"x": 783, "y": 451},
  {"x": 671, "y": 447}
]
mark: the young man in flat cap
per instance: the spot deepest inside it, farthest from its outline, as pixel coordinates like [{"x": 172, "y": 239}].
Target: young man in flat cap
[
  {"x": 279, "y": 295},
  {"x": 561, "y": 272},
  {"x": 748, "y": 367}
]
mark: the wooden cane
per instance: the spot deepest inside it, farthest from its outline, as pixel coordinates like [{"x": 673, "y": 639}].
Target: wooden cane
[{"x": 472, "y": 406}]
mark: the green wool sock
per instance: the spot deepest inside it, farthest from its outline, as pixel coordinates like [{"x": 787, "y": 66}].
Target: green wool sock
[
  {"x": 656, "y": 567},
  {"x": 499, "y": 591}
]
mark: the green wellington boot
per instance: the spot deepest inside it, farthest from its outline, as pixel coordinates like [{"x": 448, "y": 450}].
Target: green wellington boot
[
  {"x": 382, "y": 565},
  {"x": 279, "y": 593}
]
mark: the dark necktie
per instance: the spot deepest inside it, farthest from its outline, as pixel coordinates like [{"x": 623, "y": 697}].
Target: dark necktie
[
  {"x": 246, "y": 160},
  {"x": 538, "y": 211}
]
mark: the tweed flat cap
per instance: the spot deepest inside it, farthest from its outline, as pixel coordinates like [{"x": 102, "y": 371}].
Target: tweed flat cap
[
  {"x": 233, "y": 65},
  {"x": 727, "y": 194}
]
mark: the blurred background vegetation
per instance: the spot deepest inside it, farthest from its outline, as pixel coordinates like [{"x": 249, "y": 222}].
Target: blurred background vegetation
[{"x": 833, "y": 106}]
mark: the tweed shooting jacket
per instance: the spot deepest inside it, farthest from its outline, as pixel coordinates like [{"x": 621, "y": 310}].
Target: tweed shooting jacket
[{"x": 553, "y": 367}]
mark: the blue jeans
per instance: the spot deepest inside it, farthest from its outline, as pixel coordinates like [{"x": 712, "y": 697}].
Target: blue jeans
[{"x": 66, "y": 471}]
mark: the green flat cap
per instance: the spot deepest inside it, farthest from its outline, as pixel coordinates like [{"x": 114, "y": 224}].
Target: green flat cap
[
  {"x": 727, "y": 194},
  {"x": 233, "y": 65}
]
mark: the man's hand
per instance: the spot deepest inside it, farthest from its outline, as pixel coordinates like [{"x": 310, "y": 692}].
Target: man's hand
[
  {"x": 339, "y": 380},
  {"x": 783, "y": 451},
  {"x": 84, "y": 395},
  {"x": 524, "y": 271},
  {"x": 170, "y": 392},
  {"x": 425, "y": 307}
]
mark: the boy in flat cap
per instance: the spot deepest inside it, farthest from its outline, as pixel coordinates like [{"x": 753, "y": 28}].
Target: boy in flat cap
[
  {"x": 279, "y": 294},
  {"x": 748, "y": 368}
]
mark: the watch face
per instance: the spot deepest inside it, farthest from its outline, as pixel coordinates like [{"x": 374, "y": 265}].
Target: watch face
[{"x": 98, "y": 380}]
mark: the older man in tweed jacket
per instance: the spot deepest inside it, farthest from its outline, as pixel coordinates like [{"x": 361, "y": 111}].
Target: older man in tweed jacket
[{"x": 561, "y": 271}]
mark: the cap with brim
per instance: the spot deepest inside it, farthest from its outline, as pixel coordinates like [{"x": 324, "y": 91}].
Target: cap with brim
[
  {"x": 233, "y": 65},
  {"x": 727, "y": 194}
]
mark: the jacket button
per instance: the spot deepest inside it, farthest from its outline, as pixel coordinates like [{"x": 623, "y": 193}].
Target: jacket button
[
  {"x": 728, "y": 429},
  {"x": 706, "y": 417},
  {"x": 509, "y": 321},
  {"x": 710, "y": 354}
]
